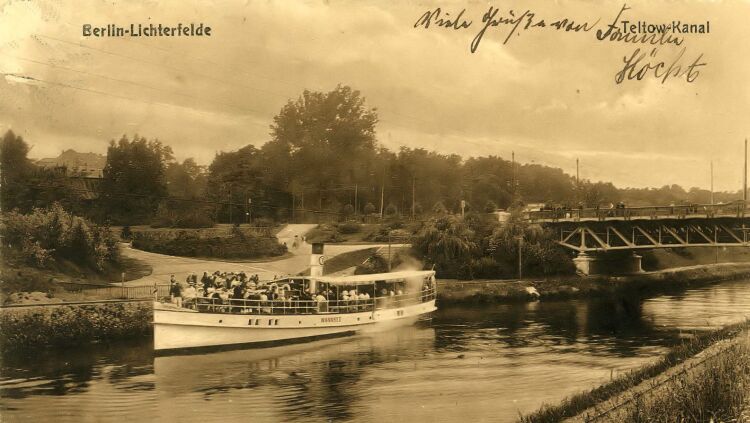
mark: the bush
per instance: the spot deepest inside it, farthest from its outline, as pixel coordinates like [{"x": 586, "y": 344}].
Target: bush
[
  {"x": 73, "y": 324},
  {"x": 264, "y": 222},
  {"x": 194, "y": 243},
  {"x": 189, "y": 218},
  {"x": 47, "y": 235},
  {"x": 347, "y": 210},
  {"x": 349, "y": 227},
  {"x": 324, "y": 233},
  {"x": 488, "y": 268},
  {"x": 126, "y": 233}
]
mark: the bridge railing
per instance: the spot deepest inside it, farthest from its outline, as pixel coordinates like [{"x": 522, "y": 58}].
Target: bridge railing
[{"x": 733, "y": 209}]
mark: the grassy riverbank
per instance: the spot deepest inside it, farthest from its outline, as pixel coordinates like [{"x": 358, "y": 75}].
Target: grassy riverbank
[
  {"x": 74, "y": 324},
  {"x": 488, "y": 291},
  {"x": 706, "y": 377}
]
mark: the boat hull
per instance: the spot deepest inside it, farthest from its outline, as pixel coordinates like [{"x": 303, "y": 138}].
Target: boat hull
[{"x": 178, "y": 329}]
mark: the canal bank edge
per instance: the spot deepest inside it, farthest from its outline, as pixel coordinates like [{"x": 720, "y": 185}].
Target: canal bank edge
[
  {"x": 64, "y": 325},
  {"x": 670, "y": 386},
  {"x": 685, "y": 375},
  {"x": 451, "y": 291}
]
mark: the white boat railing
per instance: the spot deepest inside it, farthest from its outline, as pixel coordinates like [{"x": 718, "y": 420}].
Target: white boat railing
[{"x": 296, "y": 306}]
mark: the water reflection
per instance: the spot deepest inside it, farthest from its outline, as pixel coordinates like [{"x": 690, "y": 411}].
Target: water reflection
[{"x": 485, "y": 363}]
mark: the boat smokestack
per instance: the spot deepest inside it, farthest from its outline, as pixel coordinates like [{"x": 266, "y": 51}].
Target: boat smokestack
[{"x": 316, "y": 259}]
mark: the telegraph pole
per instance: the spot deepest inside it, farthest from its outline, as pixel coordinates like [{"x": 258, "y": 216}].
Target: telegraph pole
[
  {"x": 513, "y": 175},
  {"x": 520, "y": 257},
  {"x": 578, "y": 183},
  {"x": 382, "y": 193},
  {"x": 712, "y": 182},
  {"x": 230, "y": 204},
  {"x": 744, "y": 177},
  {"x": 413, "y": 190},
  {"x": 356, "y": 198}
]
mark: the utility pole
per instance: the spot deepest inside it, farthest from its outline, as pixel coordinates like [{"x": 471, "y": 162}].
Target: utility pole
[
  {"x": 413, "y": 196},
  {"x": 712, "y": 182},
  {"x": 513, "y": 172},
  {"x": 247, "y": 208},
  {"x": 744, "y": 178},
  {"x": 382, "y": 193},
  {"x": 578, "y": 184},
  {"x": 389, "y": 250},
  {"x": 513, "y": 177},
  {"x": 520, "y": 257},
  {"x": 356, "y": 199},
  {"x": 230, "y": 204}
]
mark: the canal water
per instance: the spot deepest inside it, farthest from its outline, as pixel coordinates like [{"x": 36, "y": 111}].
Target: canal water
[{"x": 486, "y": 363}]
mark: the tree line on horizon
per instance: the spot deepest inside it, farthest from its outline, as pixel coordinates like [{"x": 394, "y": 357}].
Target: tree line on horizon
[{"x": 323, "y": 161}]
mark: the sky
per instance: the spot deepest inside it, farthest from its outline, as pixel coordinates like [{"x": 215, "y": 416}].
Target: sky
[{"x": 549, "y": 96}]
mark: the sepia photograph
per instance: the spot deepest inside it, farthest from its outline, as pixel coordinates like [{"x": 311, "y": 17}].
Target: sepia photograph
[{"x": 374, "y": 211}]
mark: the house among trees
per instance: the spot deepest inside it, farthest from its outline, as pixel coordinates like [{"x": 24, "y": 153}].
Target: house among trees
[{"x": 89, "y": 165}]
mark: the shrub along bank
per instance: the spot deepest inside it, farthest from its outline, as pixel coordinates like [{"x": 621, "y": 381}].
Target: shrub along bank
[
  {"x": 451, "y": 291},
  {"x": 67, "y": 325}
]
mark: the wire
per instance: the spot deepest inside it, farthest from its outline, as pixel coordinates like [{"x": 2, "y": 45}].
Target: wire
[
  {"x": 284, "y": 96},
  {"x": 125, "y": 82},
  {"x": 92, "y": 91},
  {"x": 137, "y": 59}
]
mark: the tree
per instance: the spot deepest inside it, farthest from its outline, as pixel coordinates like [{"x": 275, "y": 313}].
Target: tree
[
  {"x": 347, "y": 211},
  {"x": 235, "y": 177},
  {"x": 448, "y": 243},
  {"x": 186, "y": 179},
  {"x": 369, "y": 208},
  {"x": 14, "y": 167},
  {"x": 328, "y": 140},
  {"x": 134, "y": 179},
  {"x": 439, "y": 209},
  {"x": 24, "y": 185}
]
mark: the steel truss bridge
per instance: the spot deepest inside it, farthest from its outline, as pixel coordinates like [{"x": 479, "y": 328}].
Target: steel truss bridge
[{"x": 641, "y": 228}]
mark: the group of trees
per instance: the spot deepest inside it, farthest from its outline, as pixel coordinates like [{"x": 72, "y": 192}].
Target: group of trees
[
  {"x": 479, "y": 247},
  {"x": 322, "y": 158},
  {"x": 45, "y": 236}
]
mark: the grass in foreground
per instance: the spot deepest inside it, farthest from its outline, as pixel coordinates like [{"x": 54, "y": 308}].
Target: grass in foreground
[
  {"x": 576, "y": 404},
  {"x": 717, "y": 391}
]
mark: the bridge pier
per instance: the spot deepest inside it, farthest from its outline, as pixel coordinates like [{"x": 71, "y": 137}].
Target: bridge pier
[
  {"x": 589, "y": 264},
  {"x": 585, "y": 264},
  {"x": 635, "y": 263}
]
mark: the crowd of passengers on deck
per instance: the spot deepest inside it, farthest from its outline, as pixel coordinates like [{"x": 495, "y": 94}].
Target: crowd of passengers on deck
[{"x": 231, "y": 292}]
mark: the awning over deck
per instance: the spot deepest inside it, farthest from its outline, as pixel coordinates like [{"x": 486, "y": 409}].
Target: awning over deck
[{"x": 367, "y": 279}]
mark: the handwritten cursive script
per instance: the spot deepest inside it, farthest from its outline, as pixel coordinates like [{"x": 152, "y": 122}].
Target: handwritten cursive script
[
  {"x": 492, "y": 18},
  {"x": 637, "y": 66}
]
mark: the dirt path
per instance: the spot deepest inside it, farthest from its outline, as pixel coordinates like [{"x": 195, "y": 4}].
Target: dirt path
[{"x": 165, "y": 265}]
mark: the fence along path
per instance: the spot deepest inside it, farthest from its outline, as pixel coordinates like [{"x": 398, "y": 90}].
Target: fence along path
[{"x": 118, "y": 292}]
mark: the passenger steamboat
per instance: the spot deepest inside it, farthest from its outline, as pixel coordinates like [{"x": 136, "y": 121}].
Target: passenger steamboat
[{"x": 309, "y": 307}]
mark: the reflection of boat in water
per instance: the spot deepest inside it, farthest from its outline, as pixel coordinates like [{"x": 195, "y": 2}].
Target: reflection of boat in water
[
  {"x": 301, "y": 362},
  {"x": 306, "y": 308}
]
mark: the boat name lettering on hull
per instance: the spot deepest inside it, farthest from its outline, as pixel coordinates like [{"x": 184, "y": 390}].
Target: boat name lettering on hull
[{"x": 330, "y": 319}]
